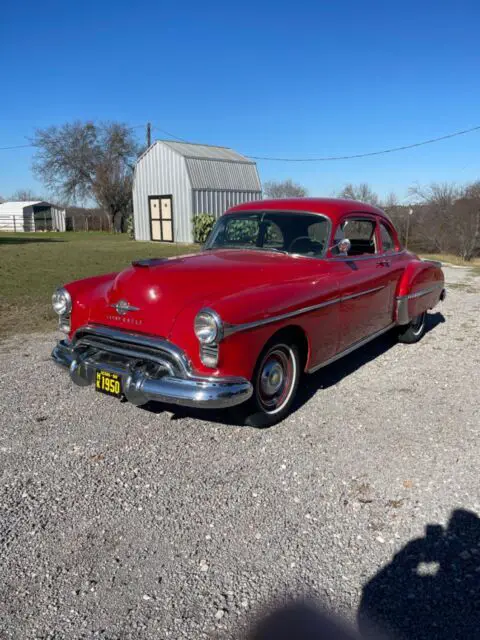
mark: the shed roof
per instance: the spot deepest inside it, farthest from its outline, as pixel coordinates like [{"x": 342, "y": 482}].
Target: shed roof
[
  {"x": 14, "y": 206},
  {"x": 205, "y": 151},
  {"x": 216, "y": 168}
]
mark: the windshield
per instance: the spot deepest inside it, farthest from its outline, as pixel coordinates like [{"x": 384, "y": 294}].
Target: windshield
[{"x": 297, "y": 233}]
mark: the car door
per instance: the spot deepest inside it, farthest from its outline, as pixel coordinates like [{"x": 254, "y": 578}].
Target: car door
[
  {"x": 394, "y": 259},
  {"x": 364, "y": 281}
]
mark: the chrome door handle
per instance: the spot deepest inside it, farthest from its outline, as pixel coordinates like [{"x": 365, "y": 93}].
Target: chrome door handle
[{"x": 383, "y": 263}]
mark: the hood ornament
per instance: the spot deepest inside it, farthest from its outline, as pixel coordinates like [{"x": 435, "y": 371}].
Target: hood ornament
[{"x": 122, "y": 307}]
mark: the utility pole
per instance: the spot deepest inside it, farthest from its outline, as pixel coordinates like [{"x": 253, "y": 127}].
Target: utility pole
[
  {"x": 410, "y": 212},
  {"x": 149, "y": 135}
]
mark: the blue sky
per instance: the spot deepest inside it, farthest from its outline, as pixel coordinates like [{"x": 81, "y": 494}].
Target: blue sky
[{"x": 266, "y": 78}]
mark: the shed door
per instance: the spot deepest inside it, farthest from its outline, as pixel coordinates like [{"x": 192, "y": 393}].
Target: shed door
[{"x": 161, "y": 218}]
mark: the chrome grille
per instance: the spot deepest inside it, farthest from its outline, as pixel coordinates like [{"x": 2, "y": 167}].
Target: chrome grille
[
  {"x": 209, "y": 355},
  {"x": 129, "y": 348}
]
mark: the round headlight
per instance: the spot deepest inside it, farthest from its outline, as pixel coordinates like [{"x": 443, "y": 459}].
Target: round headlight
[
  {"x": 61, "y": 301},
  {"x": 208, "y": 326}
]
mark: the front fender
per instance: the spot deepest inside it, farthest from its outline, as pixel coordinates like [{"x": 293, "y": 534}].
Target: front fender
[{"x": 280, "y": 303}]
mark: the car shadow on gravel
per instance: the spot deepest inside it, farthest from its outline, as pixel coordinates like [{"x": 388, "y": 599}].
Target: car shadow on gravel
[
  {"x": 322, "y": 379},
  {"x": 431, "y": 588},
  {"x": 429, "y": 591}
]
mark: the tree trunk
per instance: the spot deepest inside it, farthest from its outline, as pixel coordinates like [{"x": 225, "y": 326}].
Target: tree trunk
[{"x": 117, "y": 222}]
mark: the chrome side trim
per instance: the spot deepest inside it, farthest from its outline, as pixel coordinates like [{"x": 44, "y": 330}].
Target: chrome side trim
[
  {"x": 362, "y": 293},
  {"x": 402, "y": 310},
  {"x": 424, "y": 292},
  {"x": 230, "y": 329},
  {"x": 403, "y": 316},
  {"x": 353, "y": 347}
]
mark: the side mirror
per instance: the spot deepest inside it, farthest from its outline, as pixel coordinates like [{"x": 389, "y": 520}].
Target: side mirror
[{"x": 343, "y": 247}]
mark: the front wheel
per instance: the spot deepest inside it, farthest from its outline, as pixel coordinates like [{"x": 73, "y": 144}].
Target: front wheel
[
  {"x": 275, "y": 382},
  {"x": 415, "y": 330}
]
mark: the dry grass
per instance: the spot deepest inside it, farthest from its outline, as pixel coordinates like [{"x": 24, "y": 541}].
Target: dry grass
[
  {"x": 451, "y": 259},
  {"x": 32, "y": 265}
]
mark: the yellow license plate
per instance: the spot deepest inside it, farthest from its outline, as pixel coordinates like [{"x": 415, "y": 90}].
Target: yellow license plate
[{"x": 109, "y": 383}]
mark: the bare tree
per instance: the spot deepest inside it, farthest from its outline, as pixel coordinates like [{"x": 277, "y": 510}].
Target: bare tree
[
  {"x": 467, "y": 227},
  {"x": 362, "y": 192},
  {"x": 24, "y": 195},
  {"x": 284, "y": 189},
  {"x": 434, "y": 217},
  {"x": 84, "y": 161}
]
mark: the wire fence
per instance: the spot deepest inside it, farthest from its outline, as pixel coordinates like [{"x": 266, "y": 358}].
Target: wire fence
[
  {"x": 45, "y": 222},
  {"x": 41, "y": 222},
  {"x": 88, "y": 222}
]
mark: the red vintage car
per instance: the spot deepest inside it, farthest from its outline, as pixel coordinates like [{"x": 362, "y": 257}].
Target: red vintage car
[{"x": 281, "y": 288}]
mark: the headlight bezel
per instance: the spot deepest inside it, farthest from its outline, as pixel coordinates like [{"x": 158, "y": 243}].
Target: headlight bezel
[
  {"x": 61, "y": 294},
  {"x": 208, "y": 317}
]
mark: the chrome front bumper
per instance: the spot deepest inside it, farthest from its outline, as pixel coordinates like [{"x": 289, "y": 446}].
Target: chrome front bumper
[{"x": 151, "y": 369}]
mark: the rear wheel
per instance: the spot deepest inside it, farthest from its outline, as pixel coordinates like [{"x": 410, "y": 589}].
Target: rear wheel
[
  {"x": 415, "y": 330},
  {"x": 275, "y": 382}
]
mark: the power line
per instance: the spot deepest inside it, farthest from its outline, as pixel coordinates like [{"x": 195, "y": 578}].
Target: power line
[
  {"x": 323, "y": 159},
  {"x": 171, "y": 135},
  {"x": 18, "y": 146},
  {"x": 371, "y": 153}
]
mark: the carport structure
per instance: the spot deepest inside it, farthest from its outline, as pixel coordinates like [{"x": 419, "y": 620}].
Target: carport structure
[{"x": 36, "y": 215}]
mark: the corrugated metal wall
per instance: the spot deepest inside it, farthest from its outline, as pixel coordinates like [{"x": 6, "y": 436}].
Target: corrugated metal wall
[
  {"x": 58, "y": 219},
  {"x": 161, "y": 171},
  {"x": 217, "y": 202}
]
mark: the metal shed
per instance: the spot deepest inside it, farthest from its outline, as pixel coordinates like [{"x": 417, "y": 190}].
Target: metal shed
[
  {"x": 36, "y": 215},
  {"x": 174, "y": 181}
]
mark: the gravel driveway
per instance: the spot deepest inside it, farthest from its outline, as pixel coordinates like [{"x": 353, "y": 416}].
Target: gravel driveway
[{"x": 120, "y": 522}]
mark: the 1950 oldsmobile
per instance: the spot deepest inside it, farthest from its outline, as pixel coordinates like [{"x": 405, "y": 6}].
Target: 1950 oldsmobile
[{"x": 281, "y": 287}]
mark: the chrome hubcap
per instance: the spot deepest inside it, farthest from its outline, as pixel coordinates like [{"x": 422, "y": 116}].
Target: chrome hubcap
[
  {"x": 272, "y": 377},
  {"x": 276, "y": 379}
]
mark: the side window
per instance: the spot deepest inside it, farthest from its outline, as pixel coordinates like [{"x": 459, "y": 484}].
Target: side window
[
  {"x": 388, "y": 243},
  {"x": 361, "y": 233}
]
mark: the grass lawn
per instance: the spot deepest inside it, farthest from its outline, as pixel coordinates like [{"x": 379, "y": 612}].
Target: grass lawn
[{"x": 32, "y": 265}]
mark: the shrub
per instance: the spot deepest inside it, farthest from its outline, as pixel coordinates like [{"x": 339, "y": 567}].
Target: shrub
[
  {"x": 131, "y": 227},
  {"x": 202, "y": 225}
]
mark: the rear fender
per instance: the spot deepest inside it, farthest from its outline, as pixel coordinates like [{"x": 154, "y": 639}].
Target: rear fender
[{"x": 421, "y": 287}]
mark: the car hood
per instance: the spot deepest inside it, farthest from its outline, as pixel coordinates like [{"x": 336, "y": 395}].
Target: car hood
[{"x": 158, "y": 289}]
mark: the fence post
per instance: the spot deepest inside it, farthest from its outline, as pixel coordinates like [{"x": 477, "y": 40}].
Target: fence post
[{"x": 14, "y": 223}]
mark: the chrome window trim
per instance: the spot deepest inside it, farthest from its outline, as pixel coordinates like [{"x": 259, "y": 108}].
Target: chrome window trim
[
  {"x": 375, "y": 256},
  {"x": 279, "y": 211},
  {"x": 230, "y": 329}
]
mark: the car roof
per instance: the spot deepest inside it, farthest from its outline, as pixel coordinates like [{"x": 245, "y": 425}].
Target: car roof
[{"x": 334, "y": 208}]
